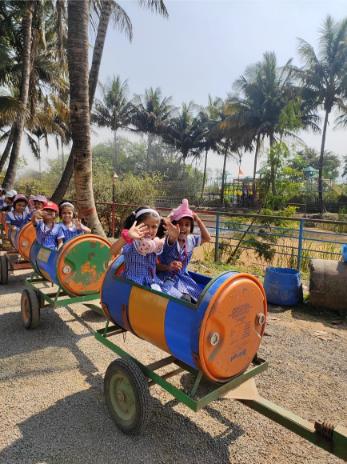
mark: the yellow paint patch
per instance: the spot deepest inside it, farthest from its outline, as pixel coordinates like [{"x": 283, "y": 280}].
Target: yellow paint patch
[{"x": 147, "y": 316}]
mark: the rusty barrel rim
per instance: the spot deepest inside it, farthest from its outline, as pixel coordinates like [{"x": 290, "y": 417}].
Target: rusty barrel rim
[
  {"x": 226, "y": 349},
  {"x": 25, "y": 240},
  {"x": 80, "y": 270}
]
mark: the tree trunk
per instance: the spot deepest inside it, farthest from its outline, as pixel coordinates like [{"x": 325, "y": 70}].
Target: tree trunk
[
  {"x": 93, "y": 81},
  {"x": 204, "y": 176},
  {"x": 114, "y": 161},
  {"x": 272, "y": 168},
  {"x": 98, "y": 49},
  {"x": 255, "y": 165},
  {"x": 321, "y": 164},
  {"x": 149, "y": 149},
  {"x": 7, "y": 148},
  {"x": 223, "y": 175},
  {"x": 24, "y": 93},
  {"x": 64, "y": 182},
  {"x": 78, "y": 19}
]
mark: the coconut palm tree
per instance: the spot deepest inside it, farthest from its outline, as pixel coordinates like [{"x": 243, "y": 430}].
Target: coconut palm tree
[
  {"x": 184, "y": 132},
  {"x": 152, "y": 114},
  {"x": 115, "y": 111},
  {"x": 324, "y": 78},
  {"x": 28, "y": 9},
  {"x": 78, "y": 21},
  {"x": 104, "y": 9}
]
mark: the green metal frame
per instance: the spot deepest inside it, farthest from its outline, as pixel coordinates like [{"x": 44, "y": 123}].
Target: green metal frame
[
  {"x": 57, "y": 298},
  {"x": 326, "y": 436}
]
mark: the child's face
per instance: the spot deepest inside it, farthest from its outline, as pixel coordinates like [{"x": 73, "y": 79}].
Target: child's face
[
  {"x": 20, "y": 206},
  {"x": 67, "y": 215},
  {"x": 38, "y": 205},
  {"x": 48, "y": 215},
  {"x": 184, "y": 225},
  {"x": 152, "y": 226}
]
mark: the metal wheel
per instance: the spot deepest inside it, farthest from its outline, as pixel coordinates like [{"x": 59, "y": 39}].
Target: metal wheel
[
  {"x": 127, "y": 396},
  {"x": 30, "y": 308},
  {"x": 3, "y": 270}
]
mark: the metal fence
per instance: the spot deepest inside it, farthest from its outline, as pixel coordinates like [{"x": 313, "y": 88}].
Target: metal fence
[{"x": 260, "y": 240}]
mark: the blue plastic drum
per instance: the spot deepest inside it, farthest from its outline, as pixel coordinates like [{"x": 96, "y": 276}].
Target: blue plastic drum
[
  {"x": 344, "y": 253},
  {"x": 44, "y": 261},
  {"x": 283, "y": 286}
]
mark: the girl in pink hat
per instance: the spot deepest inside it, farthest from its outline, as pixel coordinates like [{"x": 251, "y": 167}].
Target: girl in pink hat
[{"x": 174, "y": 260}]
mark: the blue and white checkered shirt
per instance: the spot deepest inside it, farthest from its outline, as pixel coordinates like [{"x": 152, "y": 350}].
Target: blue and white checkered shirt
[{"x": 48, "y": 236}]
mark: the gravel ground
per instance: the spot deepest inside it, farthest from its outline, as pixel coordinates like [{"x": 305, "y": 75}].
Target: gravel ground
[{"x": 52, "y": 408}]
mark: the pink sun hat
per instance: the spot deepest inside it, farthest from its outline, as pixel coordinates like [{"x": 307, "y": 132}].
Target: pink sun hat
[{"x": 182, "y": 211}]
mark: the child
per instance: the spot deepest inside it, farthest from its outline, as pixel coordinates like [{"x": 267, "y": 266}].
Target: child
[
  {"x": 8, "y": 202},
  {"x": 140, "y": 247},
  {"x": 2, "y": 197},
  {"x": 48, "y": 233},
  {"x": 19, "y": 215},
  {"x": 176, "y": 255},
  {"x": 70, "y": 227},
  {"x": 38, "y": 202}
]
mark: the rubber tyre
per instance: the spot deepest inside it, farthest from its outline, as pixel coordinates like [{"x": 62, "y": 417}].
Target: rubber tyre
[
  {"x": 127, "y": 396},
  {"x": 3, "y": 270},
  {"x": 30, "y": 308}
]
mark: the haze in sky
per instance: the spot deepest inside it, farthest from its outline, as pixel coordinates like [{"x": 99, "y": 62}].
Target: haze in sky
[{"x": 205, "y": 45}]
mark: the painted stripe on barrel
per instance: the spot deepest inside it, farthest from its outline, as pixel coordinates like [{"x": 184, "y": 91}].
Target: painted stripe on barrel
[
  {"x": 115, "y": 294},
  {"x": 179, "y": 324},
  {"x": 147, "y": 312}
]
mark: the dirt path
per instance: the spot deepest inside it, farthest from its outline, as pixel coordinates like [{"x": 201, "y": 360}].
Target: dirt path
[{"x": 52, "y": 408}]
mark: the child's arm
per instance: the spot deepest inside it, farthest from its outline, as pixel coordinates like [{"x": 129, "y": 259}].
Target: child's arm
[
  {"x": 174, "y": 266},
  {"x": 173, "y": 231},
  {"x": 36, "y": 217},
  {"x": 81, "y": 226},
  {"x": 134, "y": 233},
  {"x": 205, "y": 235}
]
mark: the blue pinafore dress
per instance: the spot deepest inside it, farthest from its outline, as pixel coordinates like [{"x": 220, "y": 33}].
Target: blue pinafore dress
[{"x": 180, "y": 280}]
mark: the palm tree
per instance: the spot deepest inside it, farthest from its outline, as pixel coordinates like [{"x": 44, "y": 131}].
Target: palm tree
[
  {"x": 185, "y": 133},
  {"x": 78, "y": 19},
  {"x": 115, "y": 111},
  {"x": 46, "y": 74},
  {"x": 266, "y": 90},
  {"x": 208, "y": 119},
  {"x": 104, "y": 9},
  {"x": 324, "y": 77},
  {"x": 24, "y": 93},
  {"x": 152, "y": 114}
]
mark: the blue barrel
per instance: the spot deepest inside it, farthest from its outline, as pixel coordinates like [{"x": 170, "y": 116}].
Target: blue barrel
[
  {"x": 219, "y": 335},
  {"x": 283, "y": 286},
  {"x": 344, "y": 253},
  {"x": 44, "y": 261}
]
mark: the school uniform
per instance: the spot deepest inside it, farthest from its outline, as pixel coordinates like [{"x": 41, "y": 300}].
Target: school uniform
[
  {"x": 17, "y": 219},
  {"x": 48, "y": 236},
  {"x": 69, "y": 232},
  {"x": 138, "y": 267},
  {"x": 181, "y": 279}
]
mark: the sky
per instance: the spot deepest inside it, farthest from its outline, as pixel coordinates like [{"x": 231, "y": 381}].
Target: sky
[{"x": 205, "y": 45}]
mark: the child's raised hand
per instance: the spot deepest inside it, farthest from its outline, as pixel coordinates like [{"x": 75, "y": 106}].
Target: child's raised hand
[
  {"x": 77, "y": 223},
  {"x": 175, "y": 266},
  {"x": 173, "y": 231},
  {"x": 137, "y": 231}
]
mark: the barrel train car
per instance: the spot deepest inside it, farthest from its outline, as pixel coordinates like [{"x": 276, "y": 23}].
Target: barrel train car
[
  {"x": 216, "y": 339},
  {"x": 16, "y": 256}
]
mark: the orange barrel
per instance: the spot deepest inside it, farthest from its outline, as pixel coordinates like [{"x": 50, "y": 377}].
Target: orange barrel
[
  {"x": 25, "y": 238},
  {"x": 220, "y": 335},
  {"x": 78, "y": 267}
]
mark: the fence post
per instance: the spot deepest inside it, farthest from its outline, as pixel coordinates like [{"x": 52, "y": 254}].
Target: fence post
[
  {"x": 113, "y": 213},
  {"x": 300, "y": 241},
  {"x": 216, "y": 245}
]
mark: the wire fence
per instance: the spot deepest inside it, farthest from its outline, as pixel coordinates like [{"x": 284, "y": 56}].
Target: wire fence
[{"x": 253, "y": 240}]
